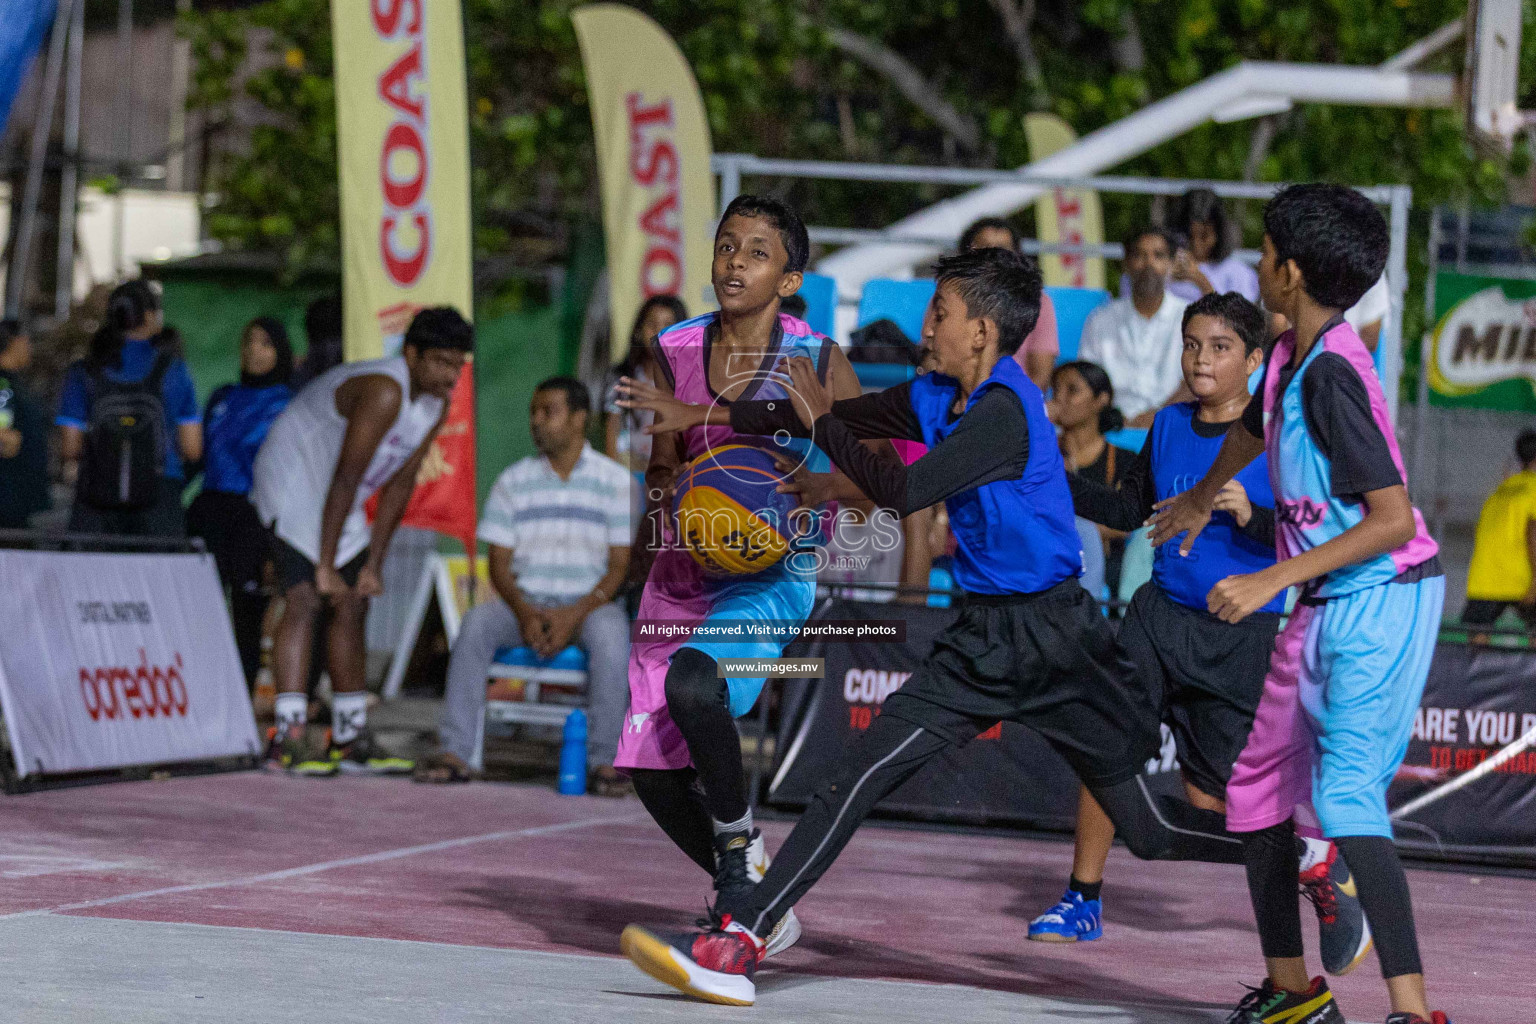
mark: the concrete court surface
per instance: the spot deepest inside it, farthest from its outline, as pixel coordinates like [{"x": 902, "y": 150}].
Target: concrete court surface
[{"x": 256, "y": 897}]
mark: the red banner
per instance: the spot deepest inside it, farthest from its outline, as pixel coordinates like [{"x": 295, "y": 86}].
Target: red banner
[{"x": 444, "y": 499}]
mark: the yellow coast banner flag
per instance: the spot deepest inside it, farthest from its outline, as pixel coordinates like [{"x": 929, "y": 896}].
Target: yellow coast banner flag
[
  {"x": 653, "y": 155},
  {"x": 403, "y": 151},
  {"x": 403, "y": 157},
  {"x": 1070, "y": 215}
]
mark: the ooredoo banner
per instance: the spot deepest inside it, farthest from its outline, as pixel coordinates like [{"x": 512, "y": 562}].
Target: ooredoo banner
[{"x": 112, "y": 660}]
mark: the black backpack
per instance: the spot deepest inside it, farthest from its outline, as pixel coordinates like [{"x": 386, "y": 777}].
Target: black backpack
[{"x": 125, "y": 440}]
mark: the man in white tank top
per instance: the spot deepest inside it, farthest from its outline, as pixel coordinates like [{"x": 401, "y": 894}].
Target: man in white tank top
[{"x": 357, "y": 430}]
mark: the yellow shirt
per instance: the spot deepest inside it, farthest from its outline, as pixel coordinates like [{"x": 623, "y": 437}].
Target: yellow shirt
[{"x": 1501, "y": 564}]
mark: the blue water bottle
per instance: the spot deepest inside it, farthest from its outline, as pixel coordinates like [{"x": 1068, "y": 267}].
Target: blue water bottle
[{"x": 573, "y": 755}]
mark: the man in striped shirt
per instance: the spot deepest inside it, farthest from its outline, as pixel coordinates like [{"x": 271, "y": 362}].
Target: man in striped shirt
[{"x": 558, "y": 526}]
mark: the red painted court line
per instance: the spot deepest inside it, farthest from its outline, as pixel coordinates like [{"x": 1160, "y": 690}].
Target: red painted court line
[{"x": 329, "y": 865}]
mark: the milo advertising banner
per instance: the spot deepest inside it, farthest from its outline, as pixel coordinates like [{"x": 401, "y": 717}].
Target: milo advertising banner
[{"x": 1483, "y": 349}]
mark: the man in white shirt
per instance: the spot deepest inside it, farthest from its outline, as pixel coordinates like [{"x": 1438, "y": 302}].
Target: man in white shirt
[
  {"x": 558, "y": 526},
  {"x": 1367, "y": 315},
  {"x": 1138, "y": 339}
]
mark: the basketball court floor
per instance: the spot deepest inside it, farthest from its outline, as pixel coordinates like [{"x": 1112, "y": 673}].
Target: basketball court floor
[{"x": 257, "y": 897}]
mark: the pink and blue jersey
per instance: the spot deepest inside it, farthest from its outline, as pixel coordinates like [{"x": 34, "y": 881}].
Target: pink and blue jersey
[
  {"x": 677, "y": 589},
  {"x": 684, "y": 350},
  {"x": 1348, "y": 670},
  {"x": 1309, "y": 510}
]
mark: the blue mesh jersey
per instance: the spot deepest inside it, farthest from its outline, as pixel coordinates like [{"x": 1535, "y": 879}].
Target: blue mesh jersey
[
  {"x": 234, "y": 426},
  {"x": 1180, "y": 458},
  {"x": 1014, "y": 536}
]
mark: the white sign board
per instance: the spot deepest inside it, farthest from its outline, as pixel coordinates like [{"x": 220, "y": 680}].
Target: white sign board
[{"x": 112, "y": 660}]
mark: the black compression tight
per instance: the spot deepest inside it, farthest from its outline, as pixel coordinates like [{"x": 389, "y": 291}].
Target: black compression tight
[
  {"x": 699, "y": 702},
  {"x": 673, "y": 798},
  {"x": 890, "y": 753},
  {"x": 1273, "y": 861},
  {"x": 1383, "y": 889}
]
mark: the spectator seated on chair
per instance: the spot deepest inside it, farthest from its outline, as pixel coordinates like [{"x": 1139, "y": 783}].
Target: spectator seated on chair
[
  {"x": 558, "y": 526},
  {"x": 1139, "y": 339}
]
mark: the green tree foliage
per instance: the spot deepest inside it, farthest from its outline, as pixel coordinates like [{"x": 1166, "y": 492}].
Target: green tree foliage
[{"x": 779, "y": 78}]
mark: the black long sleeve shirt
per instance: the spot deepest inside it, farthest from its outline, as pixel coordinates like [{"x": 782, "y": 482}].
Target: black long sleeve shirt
[{"x": 990, "y": 443}]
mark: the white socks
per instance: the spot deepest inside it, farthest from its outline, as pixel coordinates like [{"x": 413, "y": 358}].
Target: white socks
[
  {"x": 292, "y": 711},
  {"x": 1316, "y": 852},
  {"x": 349, "y": 716},
  {"x": 741, "y": 824}
]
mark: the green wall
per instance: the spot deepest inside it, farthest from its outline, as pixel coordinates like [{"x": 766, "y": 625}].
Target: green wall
[{"x": 514, "y": 351}]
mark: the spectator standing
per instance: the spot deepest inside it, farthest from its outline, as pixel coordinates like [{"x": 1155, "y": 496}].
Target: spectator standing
[
  {"x": 235, "y": 423},
  {"x": 625, "y": 440},
  {"x": 1208, "y": 264},
  {"x": 323, "y": 334},
  {"x": 1139, "y": 340},
  {"x": 23, "y": 433},
  {"x": 129, "y": 422},
  {"x": 1041, "y": 346},
  {"x": 360, "y": 429},
  {"x": 558, "y": 526},
  {"x": 1505, "y": 547}
]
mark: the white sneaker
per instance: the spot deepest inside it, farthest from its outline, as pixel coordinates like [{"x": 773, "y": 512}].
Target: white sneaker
[{"x": 787, "y": 932}]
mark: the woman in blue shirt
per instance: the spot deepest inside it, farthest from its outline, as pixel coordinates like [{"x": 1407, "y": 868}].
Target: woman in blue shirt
[
  {"x": 235, "y": 423},
  {"x": 129, "y": 471}
]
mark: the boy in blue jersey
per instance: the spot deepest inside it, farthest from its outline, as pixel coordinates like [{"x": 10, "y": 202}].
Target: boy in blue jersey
[
  {"x": 1208, "y": 674},
  {"x": 1029, "y": 645},
  {"x": 1349, "y": 668}
]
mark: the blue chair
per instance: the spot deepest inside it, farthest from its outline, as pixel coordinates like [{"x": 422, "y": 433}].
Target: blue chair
[
  {"x": 904, "y": 302},
  {"x": 820, "y": 294},
  {"x": 1072, "y": 308},
  {"x": 565, "y": 675},
  {"x": 879, "y": 376}
]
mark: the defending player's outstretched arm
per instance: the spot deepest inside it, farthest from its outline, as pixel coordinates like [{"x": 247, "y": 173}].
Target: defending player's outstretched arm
[{"x": 1189, "y": 512}]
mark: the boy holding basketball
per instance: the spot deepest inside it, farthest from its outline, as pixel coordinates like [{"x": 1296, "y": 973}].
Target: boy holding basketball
[
  {"x": 680, "y": 744},
  {"x": 1349, "y": 668},
  {"x": 1029, "y": 645}
]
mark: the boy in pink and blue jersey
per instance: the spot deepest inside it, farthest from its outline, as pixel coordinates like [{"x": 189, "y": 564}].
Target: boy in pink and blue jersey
[
  {"x": 1349, "y": 668},
  {"x": 679, "y": 743}
]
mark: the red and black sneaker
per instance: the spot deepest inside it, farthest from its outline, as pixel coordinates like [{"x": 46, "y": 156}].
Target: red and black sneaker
[
  {"x": 715, "y": 964},
  {"x": 1412, "y": 1018}
]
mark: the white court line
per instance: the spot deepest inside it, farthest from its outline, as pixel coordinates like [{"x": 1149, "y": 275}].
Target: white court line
[{"x": 325, "y": 865}]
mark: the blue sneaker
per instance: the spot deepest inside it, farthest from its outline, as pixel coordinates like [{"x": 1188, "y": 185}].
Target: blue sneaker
[{"x": 1074, "y": 919}]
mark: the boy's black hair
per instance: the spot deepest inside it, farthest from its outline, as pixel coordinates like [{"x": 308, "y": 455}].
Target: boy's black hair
[
  {"x": 1525, "y": 447},
  {"x": 1000, "y": 285},
  {"x": 440, "y": 327},
  {"x": 1202, "y": 206},
  {"x": 1337, "y": 237},
  {"x": 797, "y": 243},
  {"x": 1151, "y": 229},
  {"x": 577, "y": 397},
  {"x": 794, "y": 305},
  {"x": 968, "y": 236},
  {"x": 1234, "y": 311}
]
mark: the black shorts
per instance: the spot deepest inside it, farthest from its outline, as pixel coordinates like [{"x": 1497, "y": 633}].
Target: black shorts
[
  {"x": 1048, "y": 661},
  {"x": 294, "y": 567},
  {"x": 1209, "y": 674}
]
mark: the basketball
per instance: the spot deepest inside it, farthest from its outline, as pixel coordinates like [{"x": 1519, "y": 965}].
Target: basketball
[{"x": 729, "y": 514}]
